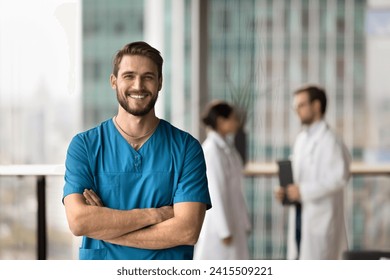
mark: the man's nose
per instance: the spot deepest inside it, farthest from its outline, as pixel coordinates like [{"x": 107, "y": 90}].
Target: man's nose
[{"x": 137, "y": 83}]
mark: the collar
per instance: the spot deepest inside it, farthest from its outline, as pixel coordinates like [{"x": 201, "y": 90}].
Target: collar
[
  {"x": 219, "y": 140},
  {"x": 315, "y": 131},
  {"x": 315, "y": 128}
]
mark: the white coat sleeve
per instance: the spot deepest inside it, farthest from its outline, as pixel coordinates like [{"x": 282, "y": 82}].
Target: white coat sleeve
[
  {"x": 219, "y": 197},
  {"x": 332, "y": 171}
]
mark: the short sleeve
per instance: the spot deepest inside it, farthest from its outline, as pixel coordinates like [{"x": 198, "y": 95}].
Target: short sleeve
[
  {"x": 192, "y": 184},
  {"x": 78, "y": 175}
]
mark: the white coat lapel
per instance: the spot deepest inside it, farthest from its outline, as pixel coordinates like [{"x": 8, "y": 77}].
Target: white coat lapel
[
  {"x": 306, "y": 146},
  {"x": 317, "y": 135}
]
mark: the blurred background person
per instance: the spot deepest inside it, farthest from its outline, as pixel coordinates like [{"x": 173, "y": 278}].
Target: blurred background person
[
  {"x": 226, "y": 227},
  {"x": 320, "y": 163}
]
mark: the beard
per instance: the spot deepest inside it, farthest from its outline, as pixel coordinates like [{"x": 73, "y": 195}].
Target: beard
[
  {"x": 139, "y": 112},
  {"x": 307, "y": 121},
  {"x": 308, "y": 118}
]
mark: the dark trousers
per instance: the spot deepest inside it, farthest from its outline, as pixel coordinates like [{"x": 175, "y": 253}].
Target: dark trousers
[{"x": 298, "y": 226}]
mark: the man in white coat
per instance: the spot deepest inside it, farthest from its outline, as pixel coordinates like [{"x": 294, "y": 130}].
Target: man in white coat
[{"x": 320, "y": 163}]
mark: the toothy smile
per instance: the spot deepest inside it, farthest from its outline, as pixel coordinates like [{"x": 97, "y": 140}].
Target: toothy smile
[{"x": 137, "y": 96}]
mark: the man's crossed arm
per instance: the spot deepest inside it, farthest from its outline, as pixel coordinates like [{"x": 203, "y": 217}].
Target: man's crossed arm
[{"x": 151, "y": 228}]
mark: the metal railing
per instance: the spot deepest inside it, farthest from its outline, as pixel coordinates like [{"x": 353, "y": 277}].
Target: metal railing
[
  {"x": 357, "y": 168},
  {"x": 41, "y": 172}
]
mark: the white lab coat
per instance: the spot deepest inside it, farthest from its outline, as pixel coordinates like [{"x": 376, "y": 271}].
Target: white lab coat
[
  {"x": 228, "y": 215},
  {"x": 321, "y": 169}
]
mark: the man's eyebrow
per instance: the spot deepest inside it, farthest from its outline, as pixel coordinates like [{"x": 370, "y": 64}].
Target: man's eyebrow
[{"x": 143, "y": 74}]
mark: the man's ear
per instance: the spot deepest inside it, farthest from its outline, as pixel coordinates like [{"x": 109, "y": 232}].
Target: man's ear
[
  {"x": 317, "y": 106},
  {"x": 160, "y": 83},
  {"x": 113, "y": 81}
]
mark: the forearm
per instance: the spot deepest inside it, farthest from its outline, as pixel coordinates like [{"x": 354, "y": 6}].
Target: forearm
[
  {"x": 105, "y": 223},
  {"x": 183, "y": 229},
  {"x": 161, "y": 236}
]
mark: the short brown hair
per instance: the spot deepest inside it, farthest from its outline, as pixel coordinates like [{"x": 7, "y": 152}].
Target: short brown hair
[
  {"x": 138, "y": 48},
  {"x": 315, "y": 93}
]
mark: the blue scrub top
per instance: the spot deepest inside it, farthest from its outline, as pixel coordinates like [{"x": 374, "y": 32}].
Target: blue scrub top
[{"x": 167, "y": 169}]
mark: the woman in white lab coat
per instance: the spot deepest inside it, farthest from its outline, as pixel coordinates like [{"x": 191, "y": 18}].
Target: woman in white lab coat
[
  {"x": 224, "y": 234},
  {"x": 320, "y": 163}
]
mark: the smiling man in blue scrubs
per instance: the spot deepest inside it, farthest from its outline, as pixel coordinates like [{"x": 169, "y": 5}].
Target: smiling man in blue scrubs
[{"x": 136, "y": 186}]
